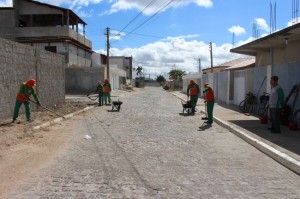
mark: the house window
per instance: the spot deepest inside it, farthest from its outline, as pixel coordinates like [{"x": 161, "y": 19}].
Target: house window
[{"x": 51, "y": 48}]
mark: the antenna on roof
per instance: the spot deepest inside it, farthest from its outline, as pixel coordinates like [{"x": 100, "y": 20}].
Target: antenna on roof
[
  {"x": 295, "y": 11},
  {"x": 272, "y": 18},
  {"x": 255, "y": 31}
]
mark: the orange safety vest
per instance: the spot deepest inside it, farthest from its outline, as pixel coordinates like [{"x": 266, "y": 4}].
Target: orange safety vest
[
  {"x": 193, "y": 91},
  {"x": 210, "y": 95},
  {"x": 106, "y": 89},
  {"x": 20, "y": 97}
]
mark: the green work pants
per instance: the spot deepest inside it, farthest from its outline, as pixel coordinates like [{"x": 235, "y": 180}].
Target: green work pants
[
  {"x": 194, "y": 100},
  {"x": 106, "y": 97},
  {"x": 100, "y": 100},
  {"x": 210, "y": 108},
  {"x": 17, "y": 109}
]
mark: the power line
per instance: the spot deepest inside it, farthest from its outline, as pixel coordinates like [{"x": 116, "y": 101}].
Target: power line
[
  {"x": 136, "y": 16},
  {"x": 144, "y": 35},
  {"x": 156, "y": 12}
]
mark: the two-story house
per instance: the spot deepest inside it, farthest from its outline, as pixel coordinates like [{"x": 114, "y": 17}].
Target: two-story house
[{"x": 47, "y": 27}]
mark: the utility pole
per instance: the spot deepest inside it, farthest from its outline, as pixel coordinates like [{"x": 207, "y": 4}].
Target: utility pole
[
  {"x": 107, "y": 52},
  {"x": 199, "y": 61},
  {"x": 211, "y": 58}
]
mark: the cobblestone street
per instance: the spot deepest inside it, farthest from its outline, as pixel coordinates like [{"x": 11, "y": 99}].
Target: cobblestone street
[{"x": 150, "y": 150}]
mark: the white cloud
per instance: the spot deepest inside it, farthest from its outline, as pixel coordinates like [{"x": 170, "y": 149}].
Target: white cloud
[
  {"x": 5, "y": 3},
  {"x": 262, "y": 24},
  {"x": 237, "y": 30},
  {"x": 161, "y": 56},
  {"x": 292, "y": 22},
  {"x": 116, "y": 35},
  {"x": 158, "y": 6},
  {"x": 83, "y": 13}
]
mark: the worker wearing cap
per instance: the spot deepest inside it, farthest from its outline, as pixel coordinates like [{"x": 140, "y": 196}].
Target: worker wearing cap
[
  {"x": 193, "y": 91},
  {"x": 26, "y": 90},
  {"x": 99, "y": 90},
  {"x": 106, "y": 92},
  {"x": 209, "y": 100}
]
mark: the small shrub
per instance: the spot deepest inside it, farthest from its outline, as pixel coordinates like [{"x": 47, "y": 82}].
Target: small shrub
[{"x": 166, "y": 87}]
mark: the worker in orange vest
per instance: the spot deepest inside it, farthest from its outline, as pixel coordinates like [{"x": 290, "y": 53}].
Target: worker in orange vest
[
  {"x": 106, "y": 92},
  {"x": 26, "y": 90},
  {"x": 193, "y": 91},
  {"x": 209, "y": 100}
]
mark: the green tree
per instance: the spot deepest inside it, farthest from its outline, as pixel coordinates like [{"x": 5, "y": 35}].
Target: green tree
[
  {"x": 160, "y": 79},
  {"x": 139, "y": 71},
  {"x": 176, "y": 74}
]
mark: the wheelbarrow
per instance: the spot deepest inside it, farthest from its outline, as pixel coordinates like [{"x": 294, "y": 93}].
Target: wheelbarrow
[
  {"x": 187, "y": 107},
  {"x": 116, "y": 105}
]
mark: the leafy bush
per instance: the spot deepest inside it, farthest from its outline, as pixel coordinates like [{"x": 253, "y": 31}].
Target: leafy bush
[{"x": 166, "y": 87}]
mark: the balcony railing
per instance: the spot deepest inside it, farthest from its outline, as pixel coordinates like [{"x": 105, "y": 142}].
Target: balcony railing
[{"x": 44, "y": 32}]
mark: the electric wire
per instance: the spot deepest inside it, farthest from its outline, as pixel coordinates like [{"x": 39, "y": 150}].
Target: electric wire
[
  {"x": 139, "y": 14},
  {"x": 156, "y": 12}
]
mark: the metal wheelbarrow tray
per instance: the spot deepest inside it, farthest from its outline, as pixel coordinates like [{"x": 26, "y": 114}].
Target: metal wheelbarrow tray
[
  {"x": 116, "y": 105},
  {"x": 187, "y": 107}
]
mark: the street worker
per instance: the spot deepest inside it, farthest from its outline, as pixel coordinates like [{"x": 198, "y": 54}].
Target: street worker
[
  {"x": 106, "y": 92},
  {"x": 275, "y": 102},
  {"x": 193, "y": 91},
  {"x": 99, "y": 90},
  {"x": 26, "y": 90},
  {"x": 209, "y": 100}
]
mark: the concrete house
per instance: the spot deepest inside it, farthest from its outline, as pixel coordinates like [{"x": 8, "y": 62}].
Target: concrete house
[
  {"x": 275, "y": 54},
  {"x": 47, "y": 27},
  {"x": 120, "y": 70},
  {"x": 221, "y": 78}
]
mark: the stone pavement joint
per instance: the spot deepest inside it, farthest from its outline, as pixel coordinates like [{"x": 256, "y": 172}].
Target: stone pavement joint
[{"x": 275, "y": 154}]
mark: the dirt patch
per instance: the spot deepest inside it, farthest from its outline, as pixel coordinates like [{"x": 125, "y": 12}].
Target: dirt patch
[
  {"x": 24, "y": 150},
  {"x": 12, "y": 134}
]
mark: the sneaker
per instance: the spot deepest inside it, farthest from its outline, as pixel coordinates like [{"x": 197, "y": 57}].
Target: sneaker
[
  {"x": 30, "y": 120},
  {"x": 16, "y": 122}
]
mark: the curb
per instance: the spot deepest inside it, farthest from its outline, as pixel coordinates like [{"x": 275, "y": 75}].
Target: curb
[
  {"x": 275, "y": 154},
  {"x": 56, "y": 120}
]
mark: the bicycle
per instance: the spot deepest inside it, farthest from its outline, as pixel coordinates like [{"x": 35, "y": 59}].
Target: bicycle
[
  {"x": 263, "y": 107},
  {"x": 246, "y": 105}
]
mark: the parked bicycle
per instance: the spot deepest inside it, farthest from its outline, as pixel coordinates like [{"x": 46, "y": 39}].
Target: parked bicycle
[
  {"x": 263, "y": 107},
  {"x": 247, "y": 104}
]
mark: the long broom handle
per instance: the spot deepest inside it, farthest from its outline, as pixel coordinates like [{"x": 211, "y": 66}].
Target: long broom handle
[
  {"x": 47, "y": 109},
  {"x": 256, "y": 96}
]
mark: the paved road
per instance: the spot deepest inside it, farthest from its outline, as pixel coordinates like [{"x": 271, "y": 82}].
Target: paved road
[{"x": 150, "y": 150}]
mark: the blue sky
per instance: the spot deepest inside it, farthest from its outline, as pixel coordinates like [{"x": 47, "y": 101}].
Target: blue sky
[{"x": 175, "y": 34}]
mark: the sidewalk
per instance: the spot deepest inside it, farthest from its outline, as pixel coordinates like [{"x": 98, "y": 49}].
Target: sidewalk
[
  {"x": 283, "y": 147},
  {"x": 83, "y": 97}
]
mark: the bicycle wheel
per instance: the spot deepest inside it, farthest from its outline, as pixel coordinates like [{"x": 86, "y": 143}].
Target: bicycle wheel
[
  {"x": 245, "y": 107},
  {"x": 242, "y": 105}
]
